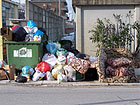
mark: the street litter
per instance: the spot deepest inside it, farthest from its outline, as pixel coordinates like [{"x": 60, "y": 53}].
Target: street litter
[{"x": 56, "y": 60}]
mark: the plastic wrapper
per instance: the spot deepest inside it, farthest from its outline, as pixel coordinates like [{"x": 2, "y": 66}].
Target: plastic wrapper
[
  {"x": 38, "y": 32},
  {"x": 51, "y": 48},
  {"x": 61, "y": 60},
  {"x": 69, "y": 55},
  {"x": 66, "y": 44},
  {"x": 27, "y": 71},
  {"x": 31, "y": 24},
  {"x": 21, "y": 79},
  {"x": 37, "y": 38},
  {"x": 61, "y": 78},
  {"x": 61, "y": 52},
  {"x": 38, "y": 75},
  {"x": 94, "y": 64},
  {"x": 57, "y": 69},
  {"x": 29, "y": 37},
  {"x": 43, "y": 66},
  {"x": 93, "y": 59},
  {"x": 49, "y": 76},
  {"x": 19, "y": 34},
  {"x": 14, "y": 27},
  {"x": 50, "y": 59},
  {"x": 70, "y": 73},
  {"x": 58, "y": 45},
  {"x": 30, "y": 30}
]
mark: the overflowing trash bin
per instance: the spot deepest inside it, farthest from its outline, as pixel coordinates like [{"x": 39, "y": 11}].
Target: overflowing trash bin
[
  {"x": 24, "y": 53},
  {"x": 36, "y": 58},
  {"x": 26, "y": 47}
]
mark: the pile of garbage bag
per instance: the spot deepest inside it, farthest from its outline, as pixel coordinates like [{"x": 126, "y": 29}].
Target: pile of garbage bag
[
  {"x": 27, "y": 33},
  {"x": 59, "y": 64},
  {"x": 61, "y": 60}
]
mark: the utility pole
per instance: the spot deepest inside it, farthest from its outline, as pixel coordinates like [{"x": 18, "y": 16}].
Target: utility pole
[{"x": 59, "y": 7}]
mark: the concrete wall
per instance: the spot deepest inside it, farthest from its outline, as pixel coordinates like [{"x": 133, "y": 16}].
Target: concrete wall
[
  {"x": 86, "y": 18},
  {"x": 105, "y": 2}
]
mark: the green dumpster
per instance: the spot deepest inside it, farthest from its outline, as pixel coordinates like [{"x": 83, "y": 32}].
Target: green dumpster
[{"x": 24, "y": 53}]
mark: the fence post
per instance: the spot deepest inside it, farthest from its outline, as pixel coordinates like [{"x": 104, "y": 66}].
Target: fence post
[{"x": 27, "y": 10}]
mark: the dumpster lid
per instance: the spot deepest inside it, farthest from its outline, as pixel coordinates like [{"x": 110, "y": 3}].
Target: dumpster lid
[{"x": 29, "y": 42}]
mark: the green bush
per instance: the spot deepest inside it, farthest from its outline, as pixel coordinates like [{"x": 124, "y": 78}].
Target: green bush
[{"x": 110, "y": 36}]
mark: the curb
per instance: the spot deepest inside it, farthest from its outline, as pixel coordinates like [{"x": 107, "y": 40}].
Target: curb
[{"x": 65, "y": 84}]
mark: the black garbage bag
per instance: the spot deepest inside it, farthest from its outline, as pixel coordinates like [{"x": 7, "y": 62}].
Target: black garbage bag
[
  {"x": 19, "y": 34},
  {"x": 73, "y": 50},
  {"x": 21, "y": 79},
  {"x": 66, "y": 44},
  {"x": 80, "y": 55}
]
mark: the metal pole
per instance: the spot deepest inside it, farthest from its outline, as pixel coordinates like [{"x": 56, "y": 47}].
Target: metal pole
[
  {"x": 56, "y": 7},
  {"x": 59, "y": 7},
  {"x": 27, "y": 10}
]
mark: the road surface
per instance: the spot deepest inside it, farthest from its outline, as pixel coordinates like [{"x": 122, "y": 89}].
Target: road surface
[{"x": 29, "y": 95}]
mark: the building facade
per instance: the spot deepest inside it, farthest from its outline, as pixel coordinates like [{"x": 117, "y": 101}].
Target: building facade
[
  {"x": 9, "y": 10},
  {"x": 87, "y": 13},
  {"x": 53, "y": 5}
]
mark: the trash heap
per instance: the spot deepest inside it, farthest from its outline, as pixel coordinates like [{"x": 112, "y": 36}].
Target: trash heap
[
  {"x": 27, "y": 33},
  {"x": 61, "y": 61},
  {"x": 59, "y": 64}
]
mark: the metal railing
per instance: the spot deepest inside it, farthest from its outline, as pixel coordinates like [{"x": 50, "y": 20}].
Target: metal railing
[
  {"x": 53, "y": 24},
  {"x": 129, "y": 44}
]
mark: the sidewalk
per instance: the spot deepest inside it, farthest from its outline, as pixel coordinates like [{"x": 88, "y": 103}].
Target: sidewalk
[{"x": 67, "y": 84}]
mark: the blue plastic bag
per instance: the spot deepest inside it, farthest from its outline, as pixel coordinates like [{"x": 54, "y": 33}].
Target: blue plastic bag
[
  {"x": 27, "y": 70},
  {"x": 51, "y": 48},
  {"x": 31, "y": 24},
  {"x": 38, "y": 32}
]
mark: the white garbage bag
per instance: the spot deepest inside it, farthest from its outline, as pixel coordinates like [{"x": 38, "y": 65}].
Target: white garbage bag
[
  {"x": 49, "y": 76},
  {"x": 61, "y": 78},
  {"x": 70, "y": 73},
  {"x": 69, "y": 55},
  {"x": 50, "y": 59},
  {"x": 61, "y": 59},
  {"x": 57, "y": 69},
  {"x": 38, "y": 75}
]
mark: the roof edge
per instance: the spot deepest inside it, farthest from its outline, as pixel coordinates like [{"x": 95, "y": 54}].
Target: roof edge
[{"x": 105, "y": 2}]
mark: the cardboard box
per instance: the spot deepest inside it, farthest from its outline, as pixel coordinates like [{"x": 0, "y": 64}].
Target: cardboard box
[
  {"x": 6, "y": 32},
  {"x": 3, "y": 75},
  {"x": 10, "y": 69}
]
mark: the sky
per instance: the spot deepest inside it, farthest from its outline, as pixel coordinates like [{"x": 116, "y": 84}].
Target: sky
[{"x": 22, "y": 1}]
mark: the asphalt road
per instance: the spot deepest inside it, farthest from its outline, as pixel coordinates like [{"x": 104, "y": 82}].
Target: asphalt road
[{"x": 23, "y": 95}]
